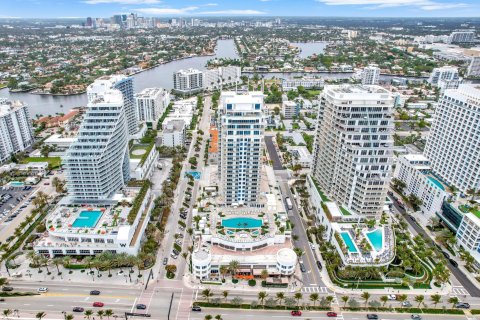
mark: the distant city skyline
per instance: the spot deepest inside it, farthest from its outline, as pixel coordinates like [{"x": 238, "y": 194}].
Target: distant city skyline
[{"x": 166, "y": 8}]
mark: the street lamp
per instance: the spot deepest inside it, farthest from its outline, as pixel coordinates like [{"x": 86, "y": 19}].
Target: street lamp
[{"x": 64, "y": 314}]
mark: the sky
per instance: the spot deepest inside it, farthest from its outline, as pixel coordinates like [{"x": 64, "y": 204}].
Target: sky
[{"x": 170, "y": 8}]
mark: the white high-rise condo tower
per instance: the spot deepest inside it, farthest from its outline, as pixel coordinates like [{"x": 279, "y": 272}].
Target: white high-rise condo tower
[
  {"x": 445, "y": 73},
  {"x": 353, "y": 147},
  {"x": 151, "y": 103},
  {"x": 98, "y": 162},
  {"x": 370, "y": 75},
  {"x": 453, "y": 144},
  {"x": 125, "y": 85},
  {"x": 188, "y": 81},
  {"x": 241, "y": 129}
]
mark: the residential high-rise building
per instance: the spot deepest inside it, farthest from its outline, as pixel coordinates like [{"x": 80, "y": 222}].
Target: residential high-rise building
[
  {"x": 370, "y": 75},
  {"x": 97, "y": 163},
  {"x": 464, "y": 36},
  {"x": 446, "y": 73},
  {"x": 16, "y": 133},
  {"x": 474, "y": 67},
  {"x": 453, "y": 145},
  {"x": 188, "y": 81},
  {"x": 151, "y": 103},
  {"x": 241, "y": 129},
  {"x": 125, "y": 85},
  {"x": 89, "y": 22},
  {"x": 219, "y": 77},
  {"x": 353, "y": 147}
]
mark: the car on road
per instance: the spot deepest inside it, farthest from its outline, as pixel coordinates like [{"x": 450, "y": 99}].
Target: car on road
[
  {"x": 446, "y": 255},
  {"x": 406, "y": 304},
  {"x": 165, "y": 261},
  {"x": 98, "y": 304},
  {"x": 319, "y": 265},
  {"x": 141, "y": 306},
  {"x": 7, "y": 288},
  {"x": 302, "y": 267},
  {"x": 392, "y": 297},
  {"x": 173, "y": 255},
  {"x": 416, "y": 317},
  {"x": 296, "y": 313},
  {"x": 372, "y": 316},
  {"x": 94, "y": 292},
  {"x": 42, "y": 290},
  {"x": 331, "y": 314},
  {"x": 78, "y": 309},
  {"x": 196, "y": 308},
  {"x": 462, "y": 305},
  {"x": 453, "y": 262}
]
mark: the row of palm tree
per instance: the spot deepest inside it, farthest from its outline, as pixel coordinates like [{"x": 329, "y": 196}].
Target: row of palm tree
[{"x": 420, "y": 299}]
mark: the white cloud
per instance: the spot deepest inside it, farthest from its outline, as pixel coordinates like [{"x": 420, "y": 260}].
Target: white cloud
[
  {"x": 210, "y": 5},
  {"x": 234, "y": 12},
  {"x": 422, "y": 4},
  {"x": 123, "y": 1},
  {"x": 166, "y": 11}
]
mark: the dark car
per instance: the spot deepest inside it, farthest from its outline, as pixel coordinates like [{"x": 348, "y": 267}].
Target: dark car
[
  {"x": 78, "y": 309},
  {"x": 446, "y": 255},
  {"x": 302, "y": 267},
  {"x": 296, "y": 313},
  {"x": 462, "y": 305},
  {"x": 94, "y": 292},
  {"x": 331, "y": 314},
  {"x": 196, "y": 308},
  {"x": 141, "y": 306},
  {"x": 319, "y": 265},
  {"x": 372, "y": 316},
  {"x": 7, "y": 288},
  {"x": 453, "y": 262}
]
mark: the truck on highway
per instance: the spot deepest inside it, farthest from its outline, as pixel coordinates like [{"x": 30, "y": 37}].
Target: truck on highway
[{"x": 288, "y": 203}]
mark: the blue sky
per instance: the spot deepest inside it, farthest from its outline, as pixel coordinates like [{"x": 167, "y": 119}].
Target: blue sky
[{"x": 166, "y": 8}]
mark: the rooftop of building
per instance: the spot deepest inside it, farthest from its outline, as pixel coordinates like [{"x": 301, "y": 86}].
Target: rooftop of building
[
  {"x": 149, "y": 92},
  {"x": 7, "y": 106},
  {"x": 174, "y": 125},
  {"x": 111, "y": 96},
  {"x": 244, "y": 97},
  {"x": 356, "y": 89}
]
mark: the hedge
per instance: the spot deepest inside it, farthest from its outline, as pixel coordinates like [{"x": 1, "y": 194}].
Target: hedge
[{"x": 138, "y": 202}]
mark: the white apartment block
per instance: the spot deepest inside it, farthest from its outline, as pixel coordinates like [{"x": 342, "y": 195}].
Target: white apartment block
[
  {"x": 188, "y": 81},
  {"x": 354, "y": 146},
  {"x": 370, "y": 75},
  {"x": 464, "y": 36},
  {"x": 468, "y": 235},
  {"x": 307, "y": 83},
  {"x": 300, "y": 155},
  {"x": 173, "y": 134},
  {"x": 241, "y": 129},
  {"x": 446, "y": 73},
  {"x": 290, "y": 109},
  {"x": 125, "y": 85},
  {"x": 16, "y": 133},
  {"x": 151, "y": 103},
  {"x": 415, "y": 171},
  {"x": 452, "y": 145},
  {"x": 215, "y": 79},
  {"x": 474, "y": 67},
  {"x": 97, "y": 163},
  {"x": 182, "y": 110}
]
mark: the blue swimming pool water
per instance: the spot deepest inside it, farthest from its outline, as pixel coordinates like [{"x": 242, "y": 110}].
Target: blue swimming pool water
[
  {"x": 376, "y": 239},
  {"x": 348, "y": 241},
  {"x": 436, "y": 183},
  {"x": 242, "y": 223},
  {"x": 87, "y": 219}
]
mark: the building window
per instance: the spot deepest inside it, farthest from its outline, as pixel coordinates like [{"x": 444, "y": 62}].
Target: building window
[{"x": 229, "y": 106}]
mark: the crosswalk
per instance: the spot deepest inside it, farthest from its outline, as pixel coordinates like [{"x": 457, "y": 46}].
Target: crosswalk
[
  {"x": 315, "y": 289},
  {"x": 459, "y": 290}
]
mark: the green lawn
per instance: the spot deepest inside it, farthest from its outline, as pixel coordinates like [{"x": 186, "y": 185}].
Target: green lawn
[
  {"x": 345, "y": 212},
  {"x": 138, "y": 147},
  {"x": 54, "y": 162}
]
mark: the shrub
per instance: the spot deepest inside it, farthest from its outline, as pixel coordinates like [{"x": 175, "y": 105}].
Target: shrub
[
  {"x": 252, "y": 282},
  {"x": 234, "y": 280}
]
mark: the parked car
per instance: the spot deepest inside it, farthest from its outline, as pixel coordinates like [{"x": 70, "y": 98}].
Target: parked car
[
  {"x": 392, "y": 297},
  {"x": 372, "y": 316},
  {"x": 98, "y": 304},
  {"x": 302, "y": 267},
  {"x": 319, "y": 265},
  {"x": 296, "y": 313},
  {"x": 141, "y": 306},
  {"x": 196, "y": 308},
  {"x": 406, "y": 304},
  {"x": 453, "y": 262},
  {"x": 165, "y": 261},
  {"x": 462, "y": 305},
  {"x": 7, "y": 288},
  {"x": 42, "y": 290},
  {"x": 78, "y": 309},
  {"x": 416, "y": 317},
  {"x": 94, "y": 292},
  {"x": 331, "y": 314}
]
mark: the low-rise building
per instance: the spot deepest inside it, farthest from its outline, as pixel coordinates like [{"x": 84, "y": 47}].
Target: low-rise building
[
  {"x": 300, "y": 155},
  {"x": 468, "y": 235},
  {"x": 173, "y": 134},
  {"x": 290, "y": 109},
  {"x": 142, "y": 161},
  {"x": 305, "y": 82}
]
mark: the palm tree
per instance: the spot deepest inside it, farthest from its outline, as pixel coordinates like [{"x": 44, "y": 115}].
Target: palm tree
[
  {"x": 100, "y": 313},
  {"x": 6, "y": 313},
  {"x": 298, "y": 296},
  {"x": 384, "y": 299},
  {"x": 419, "y": 299},
  {"x": 402, "y": 298},
  {"x": 233, "y": 266},
  {"x": 365, "y": 296},
  {"x": 88, "y": 314},
  {"x": 207, "y": 294},
  {"x": 208, "y": 317},
  {"x": 40, "y": 315},
  {"x": 436, "y": 298},
  {"x": 345, "y": 300},
  {"x": 109, "y": 313},
  {"x": 225, "y": 295},
  {"x": 280, "y": 297},
  {"x": 218, "y": 317},
  {"x": 453, "y": 301},
  {"x": 56, "y": 262},
  {"x": 223, "y": 271},
  {"x": 261, "y": 296},
  {"x": 69, "y": 317},
  {"x": 314, "y": 298},
  {"x": 264, "y": 275},
  {"x": 329, "y": 300}
]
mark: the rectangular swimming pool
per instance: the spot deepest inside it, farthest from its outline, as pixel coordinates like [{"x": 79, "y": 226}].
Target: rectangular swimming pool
[
  {"x": 348, "y": 241},
  {"x": 242, "y": 223},
  {"x": 376, "y": 239},
  {"x": 87, "y": 219}
]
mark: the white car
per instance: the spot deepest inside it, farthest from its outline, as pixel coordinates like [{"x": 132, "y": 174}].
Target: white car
[
  {"x": 42, "y": 290},
  {"x": 392, "y": 297}
]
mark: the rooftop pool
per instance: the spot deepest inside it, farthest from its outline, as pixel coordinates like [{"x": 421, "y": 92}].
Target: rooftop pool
[
  {"x": 348, "y": 242},
  {"x": 241, "y": 223},
  {"x": 87, "y": 219},
  {"x": 376, "y": 239},
  {"x": 436, "y": 183}
]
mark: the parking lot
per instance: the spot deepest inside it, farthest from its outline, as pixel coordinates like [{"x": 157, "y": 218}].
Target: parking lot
[{"x": 12, "y": 201}]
